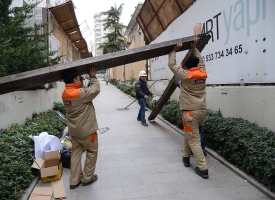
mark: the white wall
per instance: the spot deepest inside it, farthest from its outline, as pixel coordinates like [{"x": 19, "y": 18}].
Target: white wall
[
  {"x": 16, "y": 106},
  {"x": 253, "y": 103}
]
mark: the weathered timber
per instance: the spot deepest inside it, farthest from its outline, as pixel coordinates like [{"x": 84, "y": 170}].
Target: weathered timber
[
  {"x": 50, "y": 74},
  {"x": 168, "y": 91}
]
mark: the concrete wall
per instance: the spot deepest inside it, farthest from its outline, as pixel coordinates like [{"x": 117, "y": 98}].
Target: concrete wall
[
  {"x": 16, "y": 106},
  {"x": 254, "y": 103}
]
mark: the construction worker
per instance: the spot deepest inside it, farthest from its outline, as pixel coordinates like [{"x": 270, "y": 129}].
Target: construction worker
[
  {"x": 82, "y": 125},
  {"x": 177, "y": 81},
  {"x": 142, "y": 93},
  {"x": 192, "y": 75}
]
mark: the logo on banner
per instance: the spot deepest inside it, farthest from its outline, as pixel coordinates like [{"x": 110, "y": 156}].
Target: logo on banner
[{"x": 198, "y": 29}]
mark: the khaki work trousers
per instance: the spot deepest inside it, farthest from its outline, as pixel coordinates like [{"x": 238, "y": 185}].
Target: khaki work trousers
[
  {"x": 91, "y": 147},
  {"x": 191, "y": 137}
]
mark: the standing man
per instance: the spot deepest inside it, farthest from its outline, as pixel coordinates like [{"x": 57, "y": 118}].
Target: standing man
[
  {"x": 106, "y": 80},
  {"x": 177, "y": 81},
  {"x": 82, "y": 124},
  {"x": 142, "y": 93},
  {"x": 192, "y": 103}
]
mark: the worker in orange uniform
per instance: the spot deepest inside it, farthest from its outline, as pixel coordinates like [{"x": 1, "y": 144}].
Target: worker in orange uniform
[
  {"x": 82, "y": 125},
  {"x": 192, "y": 75}
]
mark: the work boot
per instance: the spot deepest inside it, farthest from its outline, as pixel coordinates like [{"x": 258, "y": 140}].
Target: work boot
[
  {"x": 138, "y": 119},
  {"x": 93, "y": 179},
  {"x": 186, "y": 161},
  {"x": 75, "y": 186},
  {"x": 202, "y": 173},
  {"x": 144, "y": 124}
]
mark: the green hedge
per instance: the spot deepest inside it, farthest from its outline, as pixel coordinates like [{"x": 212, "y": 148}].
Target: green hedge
[
  {"x": 244, "y": 144},
  {"x": 130, "y": 90},
  {"x": 15, "y": 150}
]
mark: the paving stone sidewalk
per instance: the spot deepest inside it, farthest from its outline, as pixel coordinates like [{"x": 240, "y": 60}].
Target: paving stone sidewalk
[{"x": 144, "y": 163}]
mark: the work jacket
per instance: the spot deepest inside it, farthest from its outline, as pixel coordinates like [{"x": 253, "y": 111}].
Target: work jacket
[
  {"x": 80, "y": 111},
  {"x": 192, "y": 83},
  {"x": 142, "y": 89}
]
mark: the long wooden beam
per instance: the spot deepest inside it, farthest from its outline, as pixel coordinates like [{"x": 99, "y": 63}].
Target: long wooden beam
[
  {"x": 50, "y": 74},
  {"x": 168, "y": 91}
]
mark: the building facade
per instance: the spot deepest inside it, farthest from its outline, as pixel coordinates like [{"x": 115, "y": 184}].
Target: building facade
[
  {"x": 70, "y": 45},
  {"x": 99, "y": 32},
  {"x": 134, "y": 38}
]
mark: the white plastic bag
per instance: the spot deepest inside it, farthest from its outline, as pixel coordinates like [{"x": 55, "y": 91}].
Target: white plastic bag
[{"x": 45, "y": 142}]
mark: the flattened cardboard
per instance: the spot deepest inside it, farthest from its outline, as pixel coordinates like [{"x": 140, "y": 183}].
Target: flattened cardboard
[
  {"x": 39, "y": 191},
  {"x": 58, "y": 189},
  {"x": 40, "y": 162}
]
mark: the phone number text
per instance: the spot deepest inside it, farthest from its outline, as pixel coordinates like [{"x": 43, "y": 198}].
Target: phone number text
[{"x": 220, "y": 54}]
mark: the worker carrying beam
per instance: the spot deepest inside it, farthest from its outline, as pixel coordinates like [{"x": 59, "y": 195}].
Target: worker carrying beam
[{"x": 192, "y": 75}]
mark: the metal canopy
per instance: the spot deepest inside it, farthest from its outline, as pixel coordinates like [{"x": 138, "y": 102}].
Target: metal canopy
[
  {"x": 156, "y": 15},
  {"x": 65, "y": 16}
]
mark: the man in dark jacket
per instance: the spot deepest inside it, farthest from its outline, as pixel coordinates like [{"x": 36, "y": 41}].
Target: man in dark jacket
[{"x": 142, "y": 93}]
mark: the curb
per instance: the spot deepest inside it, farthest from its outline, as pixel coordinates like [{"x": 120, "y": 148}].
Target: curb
[
  {"x": 243, "y": 175},
  {"x": 28, "y": 192},
  {"x": 236, "y": 170}
]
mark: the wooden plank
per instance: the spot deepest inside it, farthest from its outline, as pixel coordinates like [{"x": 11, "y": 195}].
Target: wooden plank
[
  {"x": 168, "y": 91},
  {"x": 53, "y": 73}
]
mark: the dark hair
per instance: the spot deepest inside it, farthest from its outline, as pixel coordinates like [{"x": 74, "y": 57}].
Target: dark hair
[
  {"x": 192, "y": 61},
  {"x": 68, "y": 76}
]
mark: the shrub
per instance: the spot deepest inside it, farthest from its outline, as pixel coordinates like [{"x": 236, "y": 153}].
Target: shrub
[
  {"x": 244, "y": 144},
  {"x": 172, "y": 113},
  {"x": 59, "y": 107}
]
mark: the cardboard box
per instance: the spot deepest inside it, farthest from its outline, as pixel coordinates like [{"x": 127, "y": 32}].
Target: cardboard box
[{"x": 51, "y": 167}]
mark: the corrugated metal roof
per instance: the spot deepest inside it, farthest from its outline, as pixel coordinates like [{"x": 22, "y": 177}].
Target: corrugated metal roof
[
  {"x": 156, "y": 15},
  {"x": 65, "y": 16}
]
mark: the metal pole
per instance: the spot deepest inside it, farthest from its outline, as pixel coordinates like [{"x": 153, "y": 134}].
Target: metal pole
[{"x": 124, "y": 76}]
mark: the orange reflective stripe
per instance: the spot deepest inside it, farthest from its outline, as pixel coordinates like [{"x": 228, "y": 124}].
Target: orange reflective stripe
[
  {"x": 93, "y": 137},
  {"x": 196, "y": 73},
  {"x": 187, "y": 128}
]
